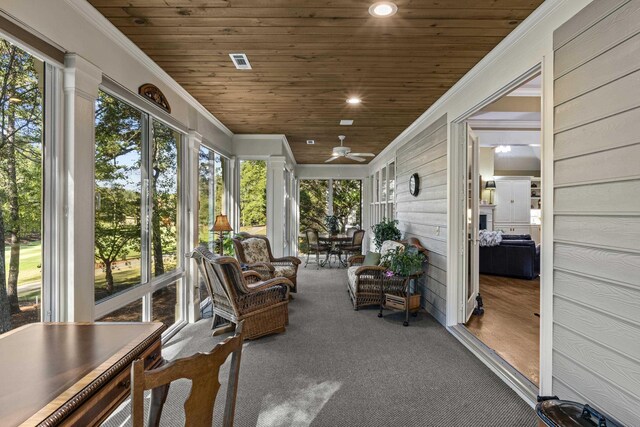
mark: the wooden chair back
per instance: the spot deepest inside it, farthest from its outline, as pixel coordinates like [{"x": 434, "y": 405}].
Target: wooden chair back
[{"x": 203, "y": 370}]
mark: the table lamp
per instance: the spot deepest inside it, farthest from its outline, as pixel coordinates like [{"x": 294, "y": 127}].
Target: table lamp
[
  {"x": 221, "y": 225},
  {"x": 490, "y": 185}
]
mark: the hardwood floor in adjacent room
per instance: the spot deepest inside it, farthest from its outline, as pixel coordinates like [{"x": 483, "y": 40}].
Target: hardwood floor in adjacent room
[{"x": 510, "y": 324}]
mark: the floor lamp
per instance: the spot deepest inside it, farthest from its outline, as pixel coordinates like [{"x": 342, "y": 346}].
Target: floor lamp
[{"x": 221, "y": 225}]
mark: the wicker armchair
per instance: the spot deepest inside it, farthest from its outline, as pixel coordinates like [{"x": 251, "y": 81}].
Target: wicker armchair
[
  {"x": 243, "y": 296},
  {"x": 256, "y": 250},
  {"x": 364, "y": 282}
]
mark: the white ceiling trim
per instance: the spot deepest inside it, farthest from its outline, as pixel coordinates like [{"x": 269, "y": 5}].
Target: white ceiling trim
[
  {"x": 504, "y": 124},
  {"x": 107, "y": 28},
  {"x": 538, "y": 15}
]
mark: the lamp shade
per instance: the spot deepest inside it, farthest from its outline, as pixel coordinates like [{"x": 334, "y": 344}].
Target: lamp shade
[
  {"x": 489, "y": 184},
  {"x": 221, "y": 224}
]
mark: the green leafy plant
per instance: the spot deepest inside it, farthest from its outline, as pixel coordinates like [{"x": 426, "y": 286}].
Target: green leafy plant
[
  {"x": 387, "y": 229},
  {"x": 405, "y": 261},
  {"x": 333, "y": 223}
]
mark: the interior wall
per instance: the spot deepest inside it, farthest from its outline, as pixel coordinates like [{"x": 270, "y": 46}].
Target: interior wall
[
  {"x": 425, "y": 215},
  {"x": 596, "y": 331}
]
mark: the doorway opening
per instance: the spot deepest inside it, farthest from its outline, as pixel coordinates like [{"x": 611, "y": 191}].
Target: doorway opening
[{"x": 503, "y": 222}]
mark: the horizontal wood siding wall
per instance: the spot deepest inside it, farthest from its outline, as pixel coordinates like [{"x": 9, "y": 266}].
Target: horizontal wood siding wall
[
  {"x": 596, "y": 336},
  {"x": 425, "y": 216}
]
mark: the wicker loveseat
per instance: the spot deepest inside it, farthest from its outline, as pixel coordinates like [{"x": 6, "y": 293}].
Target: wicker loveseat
[
  {"x": 256, "y": 250},
  {"x": 243, "y": 296}
]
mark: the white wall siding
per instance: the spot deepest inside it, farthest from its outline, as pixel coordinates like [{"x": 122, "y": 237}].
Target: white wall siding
[
  {"x": 425, "y": 216},
  {"x": 596, "y": 334}
]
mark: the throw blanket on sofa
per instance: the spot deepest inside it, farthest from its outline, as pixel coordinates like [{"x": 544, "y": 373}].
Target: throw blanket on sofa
[{"x": 490, "y": 238}]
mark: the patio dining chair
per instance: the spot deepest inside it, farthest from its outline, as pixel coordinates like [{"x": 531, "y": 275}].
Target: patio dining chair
[
  {"x": 315, "y": 246},
  {"x": 354, "y": 247}
]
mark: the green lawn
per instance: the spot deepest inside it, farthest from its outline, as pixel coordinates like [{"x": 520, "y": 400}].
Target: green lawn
[{"x": 30, "y": 262}]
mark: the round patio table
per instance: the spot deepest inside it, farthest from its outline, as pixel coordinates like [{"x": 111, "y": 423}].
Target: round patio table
[{"x": 335, "y": 242}]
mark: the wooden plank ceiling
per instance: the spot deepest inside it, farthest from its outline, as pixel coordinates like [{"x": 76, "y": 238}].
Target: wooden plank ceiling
[{"x": 309, "y": 56}]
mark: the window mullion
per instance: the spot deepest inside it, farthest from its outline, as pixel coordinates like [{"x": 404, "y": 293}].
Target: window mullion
[{"x": 147, "y": 211}]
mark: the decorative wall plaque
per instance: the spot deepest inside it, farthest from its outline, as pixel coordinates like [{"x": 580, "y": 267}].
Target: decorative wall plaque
[{"x": 152, "y": 93}]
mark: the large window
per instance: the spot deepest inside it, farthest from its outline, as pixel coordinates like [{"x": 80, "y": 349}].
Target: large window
[
  {"x": 211, "y": 194},
  {"x": 347, "y": 206},
  {"x": 118, "y": 186},
  {"x": 315, "y": 195},
  {"x": 21, "y": 147},
  {"x": 253, "y": 196},
  {"x": 138, "y": 165}
]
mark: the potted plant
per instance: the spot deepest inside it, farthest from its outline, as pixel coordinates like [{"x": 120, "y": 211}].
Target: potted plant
[
  {"x": 331, "y": 221},
  {"x": 387, "y": 229},
  {"x": 403, "y": 262}
]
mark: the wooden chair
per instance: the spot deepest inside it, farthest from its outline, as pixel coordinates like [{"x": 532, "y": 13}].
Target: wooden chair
[
  {"x": 243, "y": 296},
  {"x": 252, "y": 250},
  {"x": 203, "y": 370},
  {"x": 314, "y": 245}
]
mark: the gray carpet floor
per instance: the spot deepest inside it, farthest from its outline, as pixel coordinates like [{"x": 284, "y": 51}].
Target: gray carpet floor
[{"x": 338, "y": 367}]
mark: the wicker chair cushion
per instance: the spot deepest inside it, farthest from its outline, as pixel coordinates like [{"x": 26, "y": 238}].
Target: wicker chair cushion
[
  {"x": 351, "y": 274},
  {"x": 284, "y": 271},
  {"x": 389, "y": 245},
  {"x": 255, "y": 250}
]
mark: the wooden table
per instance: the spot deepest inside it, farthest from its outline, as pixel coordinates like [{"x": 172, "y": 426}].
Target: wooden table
[
  {"x": 334, "y": 242},
  {"x": 71, "y": 373}
]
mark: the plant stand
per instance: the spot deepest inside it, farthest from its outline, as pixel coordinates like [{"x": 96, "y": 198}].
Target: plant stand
[{"x": 399, "y": 301}]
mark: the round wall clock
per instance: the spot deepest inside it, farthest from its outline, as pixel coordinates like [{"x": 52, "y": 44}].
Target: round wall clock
[{"x": 414, "y": 184}]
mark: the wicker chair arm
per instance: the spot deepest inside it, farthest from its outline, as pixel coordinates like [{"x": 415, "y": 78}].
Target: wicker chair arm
[
  {"x": 252, "y": 276},
  {"x": 263, "y": 296},
  {"x": 370, "y": 269},
  {"x": 355, "y": 260},
  {"x": 264, "y": 269},
  {"x": 287, "y": 259}
]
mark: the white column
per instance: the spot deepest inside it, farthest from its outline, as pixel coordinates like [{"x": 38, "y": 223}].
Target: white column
[
  {"x": 81, "y": 81},
  {"x": 192, "y": 282},
  {"x": 233, "y": 208},
  {"x": 276, "y": 204}
]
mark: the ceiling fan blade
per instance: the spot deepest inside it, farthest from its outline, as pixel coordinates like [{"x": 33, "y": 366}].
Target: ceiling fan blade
[
  {"x": 363, "y": 154},
  {"x": 331, "y": 159},
  {"x": 356, "y": 158}
]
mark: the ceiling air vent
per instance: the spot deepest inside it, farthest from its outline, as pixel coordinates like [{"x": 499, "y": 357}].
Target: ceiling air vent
[
  {"x": 240, "y": 61},
  {"x": 310, "y": 142},
  {"x": 346, "y": 122}
]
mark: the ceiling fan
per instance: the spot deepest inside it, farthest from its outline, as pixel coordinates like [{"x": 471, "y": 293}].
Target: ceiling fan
[{"x": 343, "y": 151}]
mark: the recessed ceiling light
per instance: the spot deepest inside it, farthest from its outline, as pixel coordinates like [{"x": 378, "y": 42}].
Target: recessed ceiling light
[
  {"x": 353, "y": 101},
  {"x": 346, "y": 122},
  {"x": 383, "y": 9},
  {"x": 310, "y": 142}
]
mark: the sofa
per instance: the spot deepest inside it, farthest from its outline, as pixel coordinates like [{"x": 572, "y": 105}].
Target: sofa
[{"x": 516, "y": 256}]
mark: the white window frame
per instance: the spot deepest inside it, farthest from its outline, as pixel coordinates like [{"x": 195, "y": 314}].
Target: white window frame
[{"x": 148, "y": 284}]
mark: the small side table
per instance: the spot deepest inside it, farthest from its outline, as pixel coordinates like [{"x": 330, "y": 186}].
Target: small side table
[{"x": 395, "y": 294}]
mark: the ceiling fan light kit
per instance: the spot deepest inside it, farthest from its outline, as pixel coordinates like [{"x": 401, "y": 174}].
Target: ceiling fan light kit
[{"x": 343, "y": 151}]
